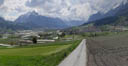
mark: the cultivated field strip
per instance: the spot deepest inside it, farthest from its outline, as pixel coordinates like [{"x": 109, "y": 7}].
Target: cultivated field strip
[{"x": 100, "y": 55}]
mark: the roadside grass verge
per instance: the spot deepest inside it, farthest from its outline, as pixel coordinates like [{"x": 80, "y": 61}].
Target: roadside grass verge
[{"x": 45, "y": 55}]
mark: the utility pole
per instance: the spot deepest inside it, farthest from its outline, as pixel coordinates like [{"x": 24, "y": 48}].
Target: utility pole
[{"x": 73, "y": 35}]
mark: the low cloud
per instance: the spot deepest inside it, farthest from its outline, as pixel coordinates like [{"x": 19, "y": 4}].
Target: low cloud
[
  {"x": 64, "y": 9},
  {"x": 1, "y": 2},
  {"x": 74, "y": 9}
]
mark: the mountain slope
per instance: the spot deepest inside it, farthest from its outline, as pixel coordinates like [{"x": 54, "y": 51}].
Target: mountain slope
[
  {"x": 74, "y": 23},
  {"x": 5, "y": 25},
  {"x": 119, "y": 20},
  {"x": 122, "y": 9},
  {"x": 35, "y": 21}
]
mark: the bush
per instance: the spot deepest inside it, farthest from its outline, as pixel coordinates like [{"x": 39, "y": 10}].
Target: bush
[{"x": 34, "y": 40}]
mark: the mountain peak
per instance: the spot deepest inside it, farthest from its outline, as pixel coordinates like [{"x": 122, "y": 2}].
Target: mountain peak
[{"x": 33, "y": 13}]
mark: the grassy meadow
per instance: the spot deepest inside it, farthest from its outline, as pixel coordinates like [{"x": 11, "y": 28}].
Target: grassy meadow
[
  {"x": 46, "y": 50},
  {"x": 50, "y": 54}
]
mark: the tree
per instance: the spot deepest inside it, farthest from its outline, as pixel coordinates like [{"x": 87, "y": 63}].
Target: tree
[
  {"x": 40, "y": 34},
  {"x": 1, "y": 36},
  {"x": 62, "y": 35},
  {"x": 34, "y": 40}
]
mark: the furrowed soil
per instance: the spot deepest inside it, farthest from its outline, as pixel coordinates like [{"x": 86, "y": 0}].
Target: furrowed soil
[{"x": 108, "y": 51}]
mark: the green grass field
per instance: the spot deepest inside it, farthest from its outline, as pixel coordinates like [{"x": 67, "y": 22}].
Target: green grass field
[
  {"x": 5, "y": 41},
  {"x": 46, "y": 50},
  {"x": 39, "y": 55},
  {"x": 2, "y": 47}
]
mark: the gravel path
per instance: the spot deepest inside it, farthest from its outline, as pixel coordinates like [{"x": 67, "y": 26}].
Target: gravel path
[{"x": 77, "y": 57}]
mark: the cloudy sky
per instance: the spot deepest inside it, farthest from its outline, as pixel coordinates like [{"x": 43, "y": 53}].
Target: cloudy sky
[{"x": 64, "y": 9}]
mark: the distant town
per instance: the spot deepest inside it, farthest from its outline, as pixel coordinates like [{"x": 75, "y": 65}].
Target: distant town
[{"x": 26, "y": 37}]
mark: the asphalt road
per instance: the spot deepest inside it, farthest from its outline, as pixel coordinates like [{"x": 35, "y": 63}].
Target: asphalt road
[{"x": 78, "y": 57}]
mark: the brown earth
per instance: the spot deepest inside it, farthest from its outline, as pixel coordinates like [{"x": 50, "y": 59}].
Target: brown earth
[{"x": 108, "y": 51}]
